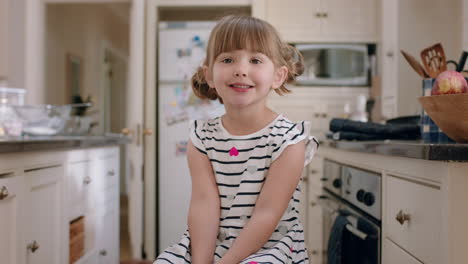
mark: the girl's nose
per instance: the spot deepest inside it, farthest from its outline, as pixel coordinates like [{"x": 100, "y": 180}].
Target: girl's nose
[{"x": 238, "y": 74}]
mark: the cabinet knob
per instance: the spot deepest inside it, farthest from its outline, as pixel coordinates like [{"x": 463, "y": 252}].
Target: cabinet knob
[
  {"x": 103, "y": 252},
  {"x": 3, "y": 193},
  {"x": 87, "y": 180},
  {"x": 33, "y": 246},
  {"x": 402, "y": 217},
  {"x": 313, "y": 204},
  {"x": 324, "y": 115},
  {"x": 305, "y": 179},
  {"x": 389, "y": 54},
  {"x": 111, "y": 173},
  {"x": 325, "y": 15},
  {"x": 148, "y": 132},
  {"x": 313, "y": 171},
  {"x": 127, "y": 131},
  {"x": 317, "y": 115},
  {"x": 318, "y": 14}
]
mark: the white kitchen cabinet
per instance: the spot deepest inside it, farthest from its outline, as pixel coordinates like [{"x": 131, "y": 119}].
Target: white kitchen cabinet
[
  {"x": 4, "y": 39},
  {"x": 107, "y": 246},
  {"x": 11, "y": 201},
  {"x": 46, "y": 191},
  {"x": 45, "y": 225},
  {"x": 322, "y": 20},
  {"x": 392, "y": 254},
  {"x": 413, "y": 217},
  {"x": 79, "y": 188}
]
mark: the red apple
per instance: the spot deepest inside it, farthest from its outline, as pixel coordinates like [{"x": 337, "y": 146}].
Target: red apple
[{"x": 449, "y": 82}]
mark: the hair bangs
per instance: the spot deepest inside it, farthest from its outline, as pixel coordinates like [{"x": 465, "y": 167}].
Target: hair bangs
[{"x": 246, "y": 34}]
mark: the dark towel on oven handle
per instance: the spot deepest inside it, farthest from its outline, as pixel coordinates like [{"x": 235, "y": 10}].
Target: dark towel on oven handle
[{"x": 335, "y": 242}]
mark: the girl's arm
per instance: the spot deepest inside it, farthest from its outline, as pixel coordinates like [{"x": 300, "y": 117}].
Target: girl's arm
[
  {"x": 281, "y": 182},
  {"x": 204, "y": 212}
]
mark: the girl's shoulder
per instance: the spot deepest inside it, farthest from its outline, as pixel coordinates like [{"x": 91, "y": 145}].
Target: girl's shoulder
[{"x": 287, "y": 132}]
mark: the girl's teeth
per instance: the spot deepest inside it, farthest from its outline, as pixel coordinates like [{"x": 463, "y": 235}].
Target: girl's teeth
[{"x": 242, "y": 86}]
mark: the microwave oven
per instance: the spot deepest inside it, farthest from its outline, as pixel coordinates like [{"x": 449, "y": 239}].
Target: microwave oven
[{"x": 336, "y": 64}]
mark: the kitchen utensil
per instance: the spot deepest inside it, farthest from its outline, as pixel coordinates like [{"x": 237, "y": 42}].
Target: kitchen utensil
[
  {"x": 415, "y": 64},
  {"x": 462, "y": 61},
  {"x": 450, "y": 113},
  {"x": 433, "y": 59}
]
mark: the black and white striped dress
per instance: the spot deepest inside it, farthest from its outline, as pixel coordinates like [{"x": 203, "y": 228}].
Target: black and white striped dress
[{"x": 241, "y": 166}]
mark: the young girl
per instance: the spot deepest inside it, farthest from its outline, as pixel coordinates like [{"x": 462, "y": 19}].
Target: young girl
[{"x": 245, "y": 165}]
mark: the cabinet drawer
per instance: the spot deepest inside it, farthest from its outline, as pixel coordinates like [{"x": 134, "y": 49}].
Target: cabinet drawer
[
  {"x": 392, "y": 254},
  {"x": 107, "y": 172},
  {"x": 413, "y": 218}
]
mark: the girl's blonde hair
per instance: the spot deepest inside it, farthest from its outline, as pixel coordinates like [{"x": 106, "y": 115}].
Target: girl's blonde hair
[{"x": 244, "y": 32}]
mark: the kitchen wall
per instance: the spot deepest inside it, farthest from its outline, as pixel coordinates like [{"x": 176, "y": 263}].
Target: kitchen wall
[
  {"x": 465, "y": 26},
  {"x": 421, "y": 24},
  {"x": 82, "y": 30}
]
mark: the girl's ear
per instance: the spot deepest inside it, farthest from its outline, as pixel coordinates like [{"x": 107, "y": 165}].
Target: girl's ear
[
  {"x": 280, "y": 77},
  {"x": 208, "y": 76}
]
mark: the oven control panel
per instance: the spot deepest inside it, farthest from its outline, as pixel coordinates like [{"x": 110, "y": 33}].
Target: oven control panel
[
  {"x": 332, "y": 177},
  {"x": 362, "y": 189}
]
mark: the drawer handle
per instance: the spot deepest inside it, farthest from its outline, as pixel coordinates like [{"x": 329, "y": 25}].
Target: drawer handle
[
  {"x": 111, "y": 173},
  {"x": 402, "y": 217},
  {"x": 3, "y": 193},
  {"x": 87, "y": 180},
  {"x": 33, "y": 246}
]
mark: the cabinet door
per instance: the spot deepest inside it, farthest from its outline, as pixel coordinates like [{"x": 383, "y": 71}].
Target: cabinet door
[
  {"x": 108, "y": 237},
  {"x": 296, "y": 20},
  {"x": 350, "y": 20},
  {"x": 79, "y": 182},
  {"x": 392, "y": 254},
  {"x": 44, "y": 203},
  {"x": 11, "y": 197}
]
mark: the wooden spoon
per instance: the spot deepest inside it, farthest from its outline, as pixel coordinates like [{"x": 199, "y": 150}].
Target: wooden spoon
[{"x": 415, "y": 64}]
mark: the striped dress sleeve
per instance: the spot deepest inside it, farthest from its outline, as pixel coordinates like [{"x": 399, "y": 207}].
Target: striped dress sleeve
[
  {"x": 296, "y": 133},
  {"x": 196, "y": 135}
]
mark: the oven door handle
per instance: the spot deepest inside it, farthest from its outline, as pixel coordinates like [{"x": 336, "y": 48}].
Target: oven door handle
[{"x": 356, "y": 232}]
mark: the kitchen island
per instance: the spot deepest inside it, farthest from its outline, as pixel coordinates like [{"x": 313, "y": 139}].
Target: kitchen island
[{"x": 59, "y": 199}]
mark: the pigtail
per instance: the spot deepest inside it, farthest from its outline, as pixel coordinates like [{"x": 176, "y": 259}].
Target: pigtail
[
  {"x": 294, "y": 61},
  {"x": 201, "y": 88}
]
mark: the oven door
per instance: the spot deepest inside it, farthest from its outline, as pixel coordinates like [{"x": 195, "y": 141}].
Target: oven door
[{"x": 360, "y": 241}]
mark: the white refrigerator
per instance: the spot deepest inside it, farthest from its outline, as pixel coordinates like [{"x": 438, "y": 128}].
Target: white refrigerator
[{"x": 181, "y": 49}]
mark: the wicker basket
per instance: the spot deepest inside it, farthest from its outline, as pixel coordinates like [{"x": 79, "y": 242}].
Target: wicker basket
[{"x": 76, "y": 239}]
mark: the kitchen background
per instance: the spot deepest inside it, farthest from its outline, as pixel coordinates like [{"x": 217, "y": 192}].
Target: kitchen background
[{"x": 131, "y": 59}]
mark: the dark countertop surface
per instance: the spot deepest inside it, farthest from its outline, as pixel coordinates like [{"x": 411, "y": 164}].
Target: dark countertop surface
[
  {"x": 46, "y": 143},
  {"x": 406, "y": 149}
]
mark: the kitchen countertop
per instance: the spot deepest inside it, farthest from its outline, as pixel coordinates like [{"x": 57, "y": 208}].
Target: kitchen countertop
[
  {"x": 44, "y": 143},
  {"x": 406, "y": 149}
]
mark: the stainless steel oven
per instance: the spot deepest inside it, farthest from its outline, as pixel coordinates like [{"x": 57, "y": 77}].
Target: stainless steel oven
[{"x": 354, "y": 196}]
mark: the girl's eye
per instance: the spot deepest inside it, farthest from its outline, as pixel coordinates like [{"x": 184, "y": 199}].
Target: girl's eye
[
  {"x": 255, "y": 61},
  {"x": 227, "y": 60}
]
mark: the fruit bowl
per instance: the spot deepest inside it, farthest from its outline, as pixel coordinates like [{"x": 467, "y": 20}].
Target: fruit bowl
[{"x": 450, "y": 113}]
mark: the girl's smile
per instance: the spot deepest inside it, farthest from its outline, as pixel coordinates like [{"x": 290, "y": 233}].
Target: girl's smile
[{"x": 241, "y": 87}]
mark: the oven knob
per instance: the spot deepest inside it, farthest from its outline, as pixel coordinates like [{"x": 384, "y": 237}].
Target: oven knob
[
  {"x": 337, "y": 183},
  {"x": 369, "y": 199},
  {"x": 360, "y": 195}
]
